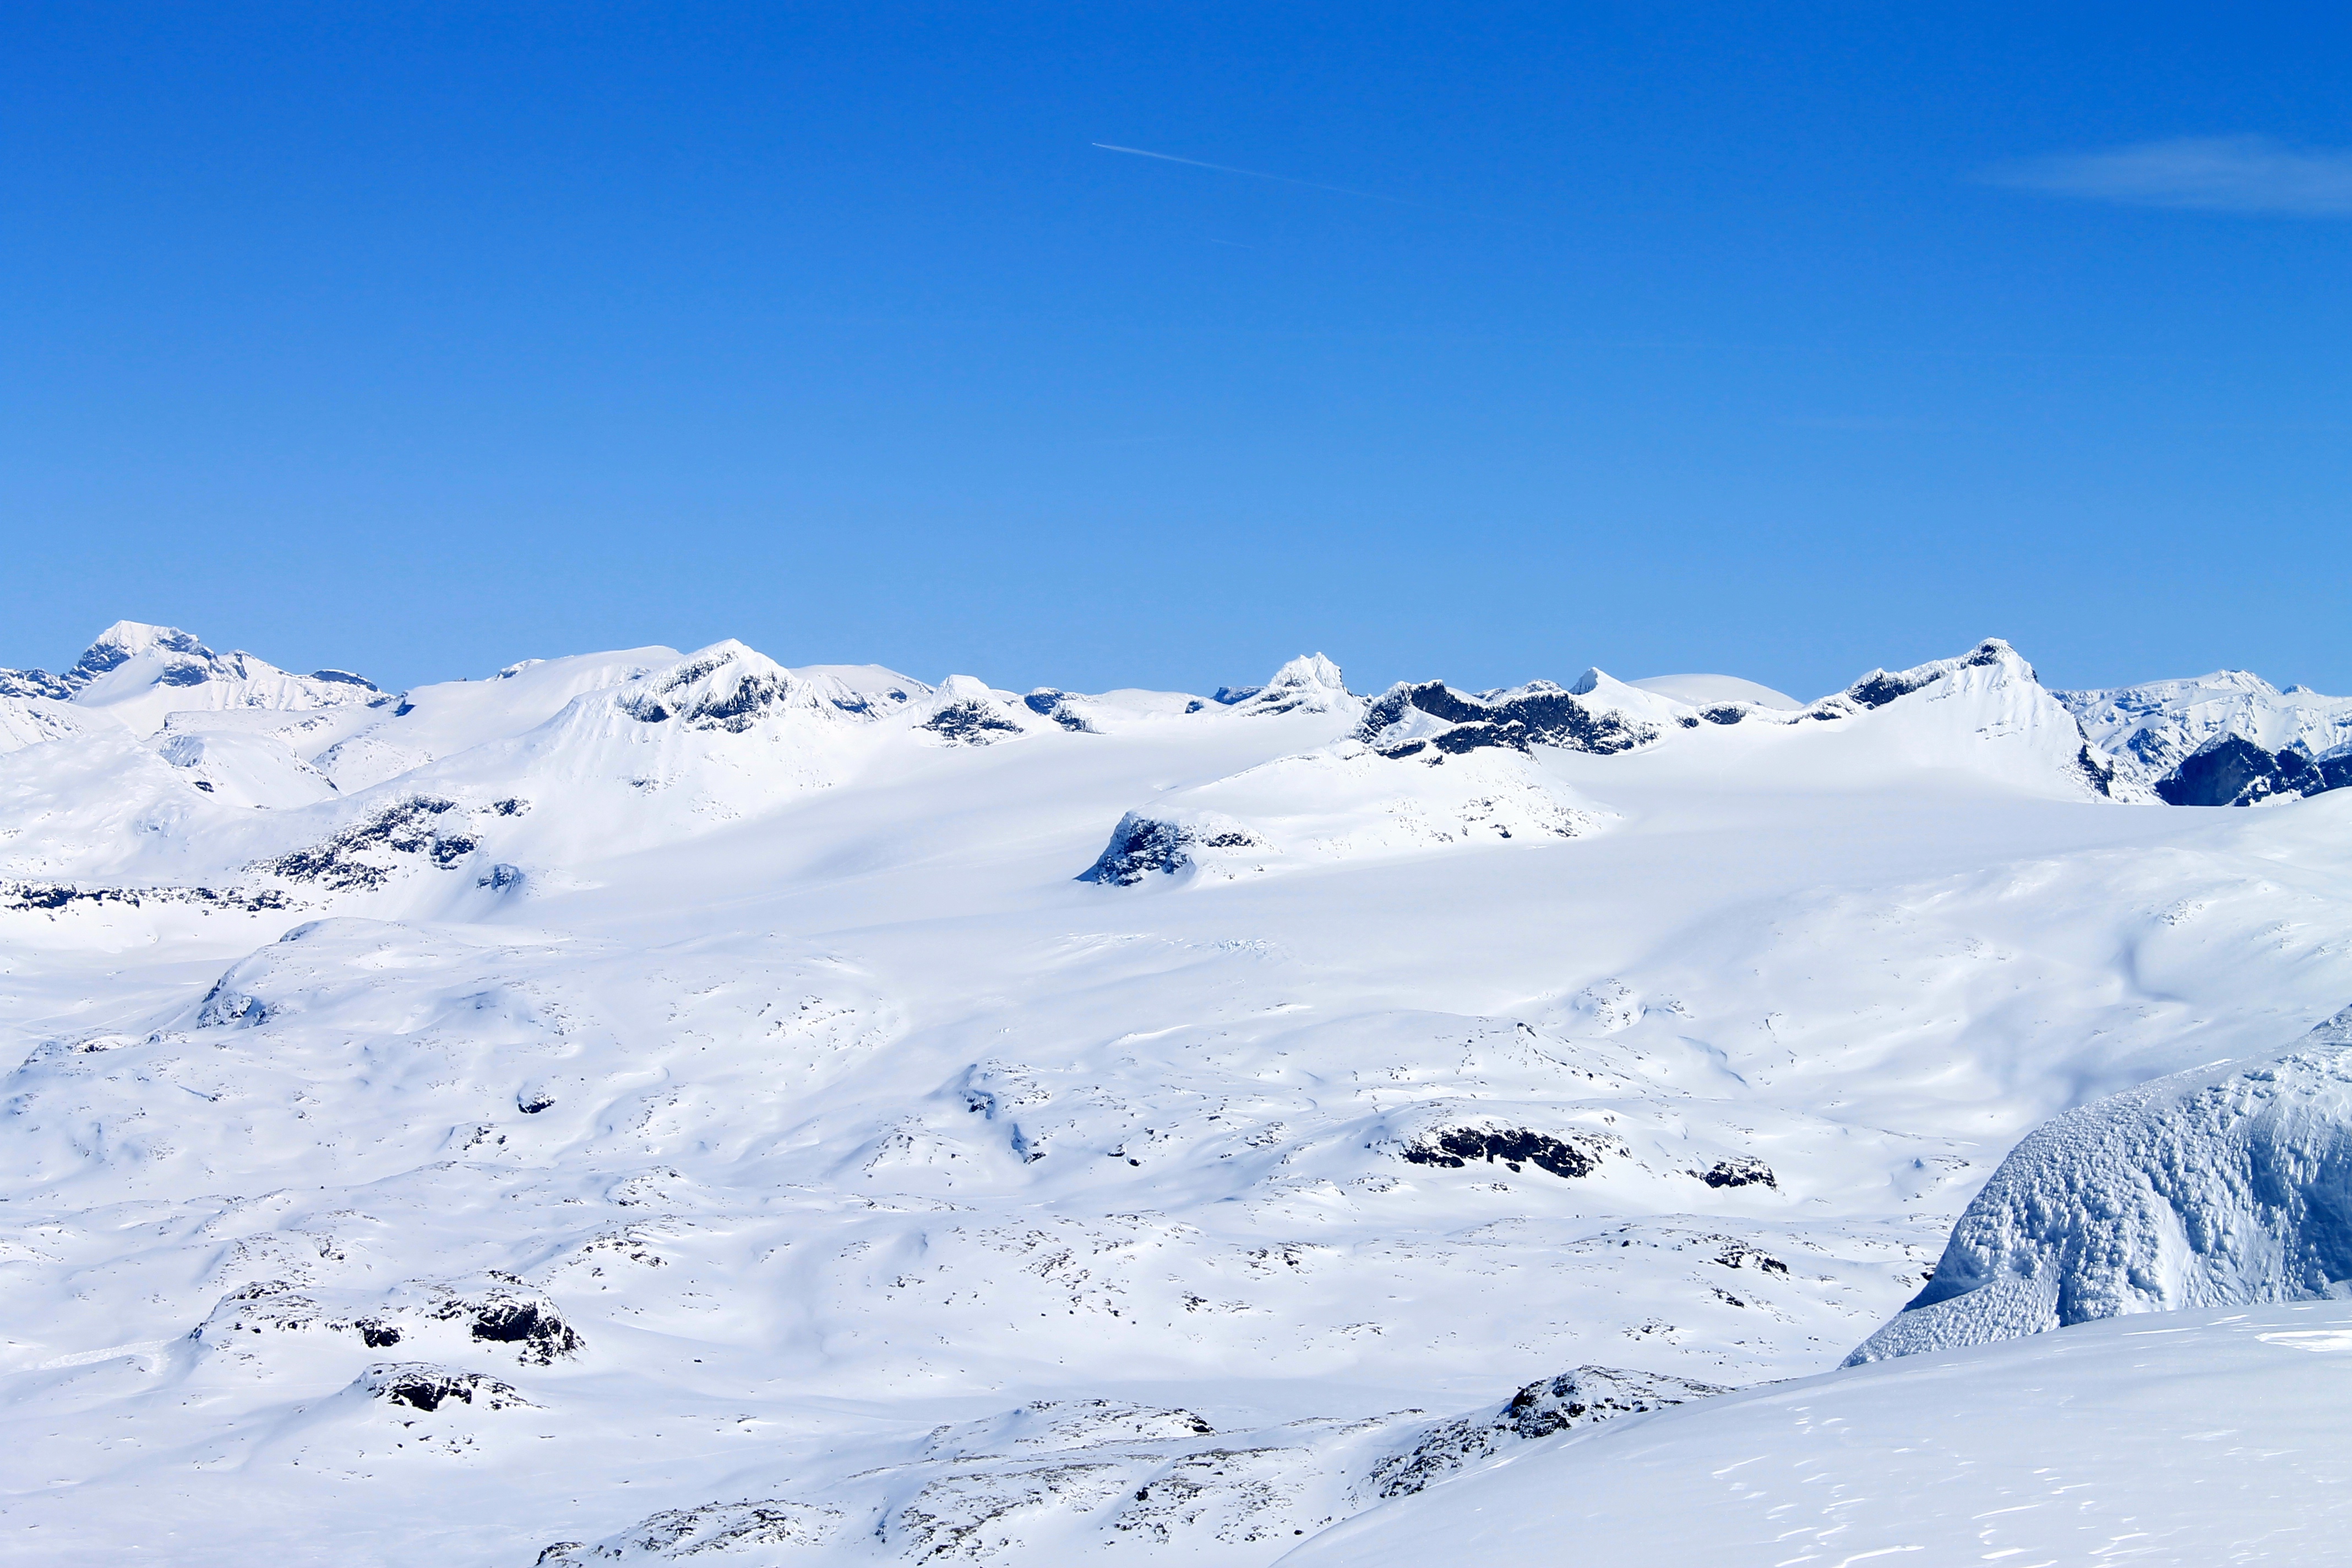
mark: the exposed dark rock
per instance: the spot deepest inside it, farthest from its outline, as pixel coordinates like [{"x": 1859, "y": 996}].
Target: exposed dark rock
[
  {"x": 425, "y": 1387},
  {"x": 1881, "y": 687},
  {"x": 972, "y": 723},
  {"x": 529, "y": 1322},
  {"x": 500, "y": 878},
  {"x": 413, "y": 826},
  {"x": 344, "y": 678},
  {"x": 1741, "y": 1170},
  {"x": 1141, "y": 845},
  {"x": 35, "y": 683},
  {"x": 1538, "y": 714},
  {"x": 2230, "y": 770},
  {"x": 1048, "y": 702},
  {"x": 1540, "y": 1410},
  {"x": 1457, "y": 1146},
  {"x": 55, "y": 896}
]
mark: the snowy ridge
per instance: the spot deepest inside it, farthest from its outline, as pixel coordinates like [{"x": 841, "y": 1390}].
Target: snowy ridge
[{"x": 2212, "y": 1188}]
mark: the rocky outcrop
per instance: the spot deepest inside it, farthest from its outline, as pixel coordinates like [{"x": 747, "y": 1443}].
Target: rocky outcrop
[
  {"x": 1541, "y": 1409},
  {"x": 1141, "y": 846}
]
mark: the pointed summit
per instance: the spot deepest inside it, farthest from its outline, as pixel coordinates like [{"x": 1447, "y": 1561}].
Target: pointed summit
[{"x": 1307, "y": 684}]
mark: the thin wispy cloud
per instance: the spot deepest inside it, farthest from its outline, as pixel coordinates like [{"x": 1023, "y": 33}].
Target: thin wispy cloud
[
  {"x": 1285, "y": 180},
  {"x": 2211, "y": 174}
]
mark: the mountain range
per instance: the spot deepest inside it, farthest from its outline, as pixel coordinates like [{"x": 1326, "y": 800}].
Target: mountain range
[{"x": 646, "y": 1104}]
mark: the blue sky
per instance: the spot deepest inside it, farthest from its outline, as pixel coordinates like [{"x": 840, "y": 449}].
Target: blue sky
[{"x": 1784, "y": 341}]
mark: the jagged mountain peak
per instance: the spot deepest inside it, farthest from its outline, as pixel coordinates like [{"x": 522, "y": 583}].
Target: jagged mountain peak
[
  {"x": 1307, "y": 684},
  {"x": 125, "y": 640}
]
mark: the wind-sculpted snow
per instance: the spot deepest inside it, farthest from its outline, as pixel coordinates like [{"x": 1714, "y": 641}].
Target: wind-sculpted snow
[
  {"x": 2213, "y": 1188},
  {"x": 657, "y": 1106}
]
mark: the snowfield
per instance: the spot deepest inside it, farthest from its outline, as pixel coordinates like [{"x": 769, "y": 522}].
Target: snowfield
[{"x": 646, "y": 1105}]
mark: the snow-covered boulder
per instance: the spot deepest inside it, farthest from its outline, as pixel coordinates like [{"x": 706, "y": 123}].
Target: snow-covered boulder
[{"x": 2216, "y": 1187}]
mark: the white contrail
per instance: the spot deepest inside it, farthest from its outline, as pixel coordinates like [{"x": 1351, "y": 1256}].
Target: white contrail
[{"x": 1261, "y": 175}]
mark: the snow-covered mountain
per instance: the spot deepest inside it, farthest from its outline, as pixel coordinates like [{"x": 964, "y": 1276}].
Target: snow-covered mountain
[
  {"x": 2225, "y": 739},
  {"x": 650, "y": 1103}
]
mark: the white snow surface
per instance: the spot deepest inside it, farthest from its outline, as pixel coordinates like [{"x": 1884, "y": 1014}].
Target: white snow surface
[
  {"x": 645, "y": 1103},
  {"x": 1706, "y": 690},
  {"x": 2202, "y": 1438}
]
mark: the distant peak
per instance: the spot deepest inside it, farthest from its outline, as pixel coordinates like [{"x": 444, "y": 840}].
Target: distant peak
[
  {"x": 126, "y": 640},
  {"x": 1308, "y": 670},
  {"x": 1309, "y": 683}
]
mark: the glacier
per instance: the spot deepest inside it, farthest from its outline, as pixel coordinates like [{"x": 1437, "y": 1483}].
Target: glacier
[{"x": 650, "y": 1103}]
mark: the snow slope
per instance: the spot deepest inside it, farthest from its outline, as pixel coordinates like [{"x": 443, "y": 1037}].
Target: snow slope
[
  {"x": 2204, "y": 1437},
  {"x": 677, "y": 1097}
]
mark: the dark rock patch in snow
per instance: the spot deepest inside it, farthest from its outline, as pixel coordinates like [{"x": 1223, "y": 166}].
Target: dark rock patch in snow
[
  {"x": 2230, "y": 770},
  {"x": 722, "y": 1528},
  {"x": 52, "y": 897},
  {"x": 423, "y": 1386},
  {"x": 527, "y": 1322},
  {"x": 1738, "y": 1171},
  {"x": 1140, "y": 845},
  {"x": 1543, "y": 1409},
  {"x": 1048, "y": 703},
  {"x": 1513, "y": 1147},
  {"x": 726, "y": 687},
  {"x": 35, "y": 683},
  {"x": 353, "y": 860},
  {"x": 1538, "y": 714},
  {"x": 1881, "y": 687}
]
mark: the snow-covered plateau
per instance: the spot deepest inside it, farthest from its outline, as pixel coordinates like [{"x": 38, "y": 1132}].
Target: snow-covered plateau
[{"x": 645, "y": 1106}]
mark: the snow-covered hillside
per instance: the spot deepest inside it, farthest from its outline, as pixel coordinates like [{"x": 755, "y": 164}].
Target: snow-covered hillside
[{"x": 650, "y": 1102}]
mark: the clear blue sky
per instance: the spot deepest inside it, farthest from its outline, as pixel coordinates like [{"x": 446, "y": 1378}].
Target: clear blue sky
[{"x": 1783, "y": 340}]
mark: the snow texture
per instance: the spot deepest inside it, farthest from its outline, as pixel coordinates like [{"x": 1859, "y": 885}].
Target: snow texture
[
  {"x": 656, "y": 1105},
  {"x": 2216, "y": 1187}
]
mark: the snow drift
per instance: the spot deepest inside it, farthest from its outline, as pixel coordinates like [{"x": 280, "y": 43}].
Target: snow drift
[{"x": 2216, "y": 1187}]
